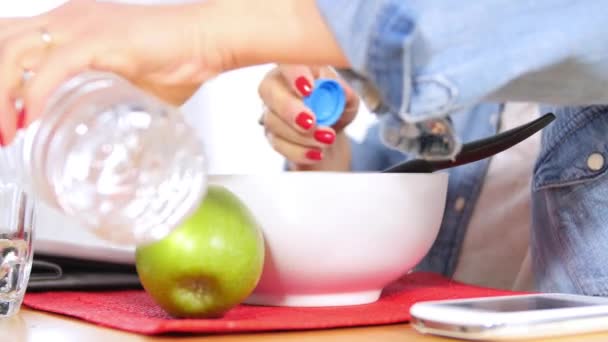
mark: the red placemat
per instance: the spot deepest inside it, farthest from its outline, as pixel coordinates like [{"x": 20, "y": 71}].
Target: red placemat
[{"x": 135, "y": 311}]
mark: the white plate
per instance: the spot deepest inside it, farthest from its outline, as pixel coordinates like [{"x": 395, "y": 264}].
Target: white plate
[{"x": 57, "y": 235}]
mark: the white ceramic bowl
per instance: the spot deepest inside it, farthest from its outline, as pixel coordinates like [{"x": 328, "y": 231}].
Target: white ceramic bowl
[{"x": 339, "y": 238}]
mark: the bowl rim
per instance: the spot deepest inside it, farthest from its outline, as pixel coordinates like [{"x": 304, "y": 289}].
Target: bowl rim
[{"x": 438, "y": 174}]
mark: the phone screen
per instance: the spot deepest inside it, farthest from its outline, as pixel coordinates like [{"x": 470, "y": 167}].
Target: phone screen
[{"x": 521, "y": 304}]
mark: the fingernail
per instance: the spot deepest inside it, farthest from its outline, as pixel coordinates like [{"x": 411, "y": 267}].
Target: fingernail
[
  {"x": 325, "y": 137},
  {"x": 21, "y": 116},
  {"x": 314, "y": 155},
  {"x": 303, "y": 86},
  {"x": 1, "y": 140},
  {"x": 305, "y": 120}
]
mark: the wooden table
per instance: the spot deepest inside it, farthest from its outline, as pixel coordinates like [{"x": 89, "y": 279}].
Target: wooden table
[{"x": 34, "y": 326}]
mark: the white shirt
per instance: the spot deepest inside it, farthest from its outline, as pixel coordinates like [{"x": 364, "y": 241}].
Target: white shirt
[{"x": 495, "y": 252}]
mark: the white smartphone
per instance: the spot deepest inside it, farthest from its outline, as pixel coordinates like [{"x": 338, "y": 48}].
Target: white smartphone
[{"x": 512, "y": 317}]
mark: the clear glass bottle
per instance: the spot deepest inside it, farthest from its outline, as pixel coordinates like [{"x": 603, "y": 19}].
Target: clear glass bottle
[{"x": 119, "y": 160}]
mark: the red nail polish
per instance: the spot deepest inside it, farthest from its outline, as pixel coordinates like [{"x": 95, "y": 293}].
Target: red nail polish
[
  {"x": 303, "y": 86},
  {"x": 314, "y": 155},
  {"x": 21, "y": 116},
  {"x": 325, "y": 137},
  {"x": 1, "y": 140},
  {"x": 305, "y": 120}
]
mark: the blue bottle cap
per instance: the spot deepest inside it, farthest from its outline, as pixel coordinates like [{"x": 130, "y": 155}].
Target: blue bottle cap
[{"x": 327, "y": 101}]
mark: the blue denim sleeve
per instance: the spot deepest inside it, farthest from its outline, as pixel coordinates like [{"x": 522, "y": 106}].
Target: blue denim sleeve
[{"x": 429, "y": 58}]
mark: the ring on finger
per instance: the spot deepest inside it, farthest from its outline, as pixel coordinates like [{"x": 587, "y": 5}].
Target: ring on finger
[
  {"x": 26, "y": 75},
  {"x": 46, "y": 37},
  {"x": 47, "y": 40}
]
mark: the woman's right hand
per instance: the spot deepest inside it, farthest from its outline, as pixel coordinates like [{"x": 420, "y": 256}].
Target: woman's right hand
[{"x": 290, "y": 126}]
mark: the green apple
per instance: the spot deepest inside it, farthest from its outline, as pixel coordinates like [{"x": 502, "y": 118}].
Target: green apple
[{"x": 209, "y": 264}]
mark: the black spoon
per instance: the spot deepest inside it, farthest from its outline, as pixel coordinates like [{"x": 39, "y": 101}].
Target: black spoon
[{"x": 476, "y": 150}]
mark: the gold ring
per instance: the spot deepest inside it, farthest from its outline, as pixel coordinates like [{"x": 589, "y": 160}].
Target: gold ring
[
  {"x": 26, "y": 75},
  {"x": 46, "y": 37}
]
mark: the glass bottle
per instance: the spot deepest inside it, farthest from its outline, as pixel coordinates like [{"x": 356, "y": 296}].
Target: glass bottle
[{"x": 120, "y": 161}]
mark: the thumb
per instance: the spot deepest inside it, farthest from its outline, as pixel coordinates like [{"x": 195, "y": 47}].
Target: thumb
[
  {"x": 300, "y": 78},
  {"x": 351, "y": 108}
]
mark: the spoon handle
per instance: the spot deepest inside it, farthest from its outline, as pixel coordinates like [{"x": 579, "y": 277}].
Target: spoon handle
[{"x": 476, "y": 150}]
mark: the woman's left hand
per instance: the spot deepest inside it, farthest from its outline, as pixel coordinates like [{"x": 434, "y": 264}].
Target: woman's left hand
[{"x": 159, "y": 48}]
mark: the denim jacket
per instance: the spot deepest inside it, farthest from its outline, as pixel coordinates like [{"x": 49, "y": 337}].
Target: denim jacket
[{"x": 426, "y": 59}]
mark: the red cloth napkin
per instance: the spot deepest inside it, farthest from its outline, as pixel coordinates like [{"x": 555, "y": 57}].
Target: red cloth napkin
[{"x": 135, "y": 311}]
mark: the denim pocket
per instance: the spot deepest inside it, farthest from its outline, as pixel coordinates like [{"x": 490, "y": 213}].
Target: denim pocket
[
  {"x": 575, "y": 147},
  {"x": 570, "y": 204}
]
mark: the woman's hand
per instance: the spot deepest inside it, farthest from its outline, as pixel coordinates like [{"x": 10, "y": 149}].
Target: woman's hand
[
  {"x": 159, "y": 48},
  {"x": 169, "y": 50},
  {"x": 290, "y": 126}
]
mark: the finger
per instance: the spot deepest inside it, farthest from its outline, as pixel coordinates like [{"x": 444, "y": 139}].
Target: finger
[
  {"x": 321, "y": 138},
  {"x": 60, "y": 65},
  {"x": 352, "y": 99},
  {"x": 279, "y": 98},
  {"x": 11, "y": 26},
  {"x": 351, "y": 108},
  {"x": 299, "y": 78},
  {"x": 294, "y": 153},
  {"x": 10, "y": 22},
  {"x": 8, "y": 122},
  {"x": 12, "y": 55},
  {"x": 2, "y": 143}
]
